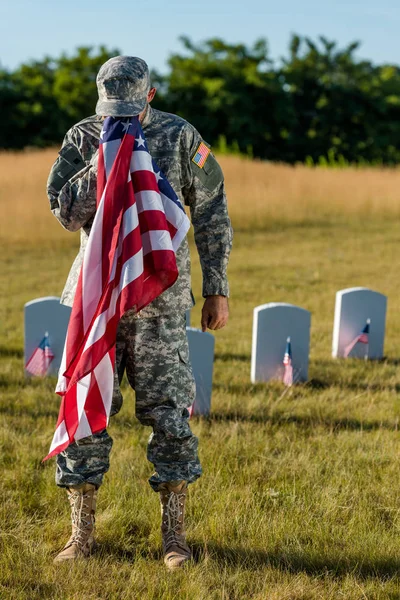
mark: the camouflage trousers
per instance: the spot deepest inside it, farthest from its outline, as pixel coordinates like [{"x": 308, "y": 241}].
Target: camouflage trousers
[{"x": 155, "y": 354}]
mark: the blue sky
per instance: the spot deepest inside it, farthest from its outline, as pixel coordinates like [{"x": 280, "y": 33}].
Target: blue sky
[{"x": 30, "y": 30}]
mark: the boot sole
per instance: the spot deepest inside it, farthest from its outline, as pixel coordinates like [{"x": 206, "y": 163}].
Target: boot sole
[
  {"x": 172, "y": 566},
  {"x": 81, "y": 556}
]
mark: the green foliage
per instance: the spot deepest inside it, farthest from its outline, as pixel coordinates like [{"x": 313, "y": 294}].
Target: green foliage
[
  {"x": 341, "y": 107},
  {"x": 42, "y": 99},
  {"x": 321, "y": 102},
  {"x": 75, "y": 81},
  {"x": 320, "y": 105}
]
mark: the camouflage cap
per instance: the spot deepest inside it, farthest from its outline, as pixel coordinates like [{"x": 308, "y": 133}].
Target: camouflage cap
[{"x": 123, "y": 83}]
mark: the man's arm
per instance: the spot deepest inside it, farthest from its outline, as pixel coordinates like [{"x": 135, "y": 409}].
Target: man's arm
[
  {"x": 72, "y": 185},
  {"x": 205, "y": 195}
]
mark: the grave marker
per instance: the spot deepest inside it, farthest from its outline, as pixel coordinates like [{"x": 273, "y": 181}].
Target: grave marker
[
  {"x": 273, "y": 324},
  {"x": 46, "y": 315},
  {"x": 201, "y": 351},
  {"x": 354, "y": 307}
]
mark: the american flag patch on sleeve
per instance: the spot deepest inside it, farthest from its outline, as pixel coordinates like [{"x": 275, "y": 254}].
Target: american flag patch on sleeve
[{"x": 201, "y": 155}]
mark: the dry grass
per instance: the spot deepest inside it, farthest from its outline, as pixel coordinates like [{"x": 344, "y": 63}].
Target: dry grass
[
  {"x": 283, "y": 194},
  {"x": 300, "y": 497},
  {"x": 261, "y": 195},
  {"x": 23, "y": 201}
]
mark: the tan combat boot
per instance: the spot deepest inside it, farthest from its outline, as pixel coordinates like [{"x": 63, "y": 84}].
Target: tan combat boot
[
  {"x": 83, "y": 506},
  {"x": 176, "y": 550}
]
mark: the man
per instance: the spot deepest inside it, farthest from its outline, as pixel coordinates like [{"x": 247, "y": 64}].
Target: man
[{"x": 151, "y": 345}]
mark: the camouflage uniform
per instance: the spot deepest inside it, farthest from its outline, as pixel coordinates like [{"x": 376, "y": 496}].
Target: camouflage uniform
[{"x": 152, "y": 344}]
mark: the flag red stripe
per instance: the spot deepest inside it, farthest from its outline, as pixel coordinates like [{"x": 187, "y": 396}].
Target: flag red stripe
[
  {"x": 94, "y": 407},
  {"x": 144, "y": 180}
]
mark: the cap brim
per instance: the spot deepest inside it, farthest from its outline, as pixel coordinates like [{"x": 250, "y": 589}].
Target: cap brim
[{"x": 117, "y": 108}]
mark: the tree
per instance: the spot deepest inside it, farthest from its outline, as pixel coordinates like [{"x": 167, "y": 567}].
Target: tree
[
  {"x": 75, "y": 81},
  {"x": 340, "y": 106},
  {"x": 42, "y": 99},
  {"x": 319, "y": 103},
  {"x": 228, "y": 90}
]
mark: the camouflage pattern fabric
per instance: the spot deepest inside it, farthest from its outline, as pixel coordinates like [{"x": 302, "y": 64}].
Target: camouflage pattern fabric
[
  {"x": 173, "y": 143},
  {"x": 155, "y": 354},
  {"x": 123, "y": 83}
]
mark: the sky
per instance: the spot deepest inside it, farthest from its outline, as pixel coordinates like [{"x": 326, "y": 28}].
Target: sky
[{"x": 32, "y": 29}]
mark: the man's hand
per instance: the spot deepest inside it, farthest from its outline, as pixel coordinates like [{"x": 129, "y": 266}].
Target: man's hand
[{"x": 215, "y": 313}]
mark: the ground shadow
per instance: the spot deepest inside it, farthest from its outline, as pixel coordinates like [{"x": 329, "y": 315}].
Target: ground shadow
[
  {"x": 314, "y": 384},
  {"x": 318, "y": 384},
  {"x": 292, "y": 561},
  {"x": 141, "y": 549},
  {"x": 296, "y": 561},
  {"x": 7, "y": 352},
  {"x": 303, "y": 421},
  {"x": 389, "y": 361},
  {"x": 228, "y": 356}
]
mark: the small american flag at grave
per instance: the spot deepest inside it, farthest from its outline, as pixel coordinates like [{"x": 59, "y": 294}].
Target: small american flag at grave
[
  {"x": 39, "y": 362},
  {"x": 287, "y": 365},
  {"x": 362, "y": 338}
]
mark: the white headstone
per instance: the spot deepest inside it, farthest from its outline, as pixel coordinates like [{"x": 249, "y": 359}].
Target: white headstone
[
  {"x": 272, "y": 324},
  {"x": 354, "y": 306},
  {"x": 201, "y": 351},
  {"x": 41, "y": 315}
]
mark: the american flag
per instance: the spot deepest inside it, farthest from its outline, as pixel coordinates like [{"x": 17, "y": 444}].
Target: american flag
[
  {"x": 201, "y": 155},
  {"x": 129, "y": 261},
  {"x": 39, "y": 362},
  {"x": 287, "y": 363},
  {"x": 362, "y": 338}
]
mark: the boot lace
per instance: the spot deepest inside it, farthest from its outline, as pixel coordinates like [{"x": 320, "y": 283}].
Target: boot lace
[
  {"x": 80, "y": 518},
  {"x": 174, "y": 513}
]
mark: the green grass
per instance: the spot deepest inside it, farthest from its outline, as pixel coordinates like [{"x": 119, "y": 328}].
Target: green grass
[{"x": 300, "y": 496}]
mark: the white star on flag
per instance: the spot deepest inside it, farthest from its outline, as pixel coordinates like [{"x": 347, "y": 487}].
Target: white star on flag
[
  {"x": 158, "y": 176},
  {"x": 125, "y": 126},
  {"x": 103, "y": 132},
  {"x": 140, "y": 141}
]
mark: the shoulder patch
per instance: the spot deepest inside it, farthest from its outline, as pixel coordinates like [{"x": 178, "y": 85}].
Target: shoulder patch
[
  {"x": 200, "y": 156},
  {"x": 205, "y": 167}
]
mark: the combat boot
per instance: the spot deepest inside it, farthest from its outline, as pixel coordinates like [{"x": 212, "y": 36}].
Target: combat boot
[
  {"x": 173, "y": 498},
  {"x": 83, "y": 506}
]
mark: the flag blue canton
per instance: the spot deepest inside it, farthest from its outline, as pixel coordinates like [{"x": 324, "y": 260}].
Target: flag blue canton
[{"x": 44, "y": 343}]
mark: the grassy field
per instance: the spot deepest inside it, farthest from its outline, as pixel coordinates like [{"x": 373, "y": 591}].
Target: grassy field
[{"x": 300, "y": 497}]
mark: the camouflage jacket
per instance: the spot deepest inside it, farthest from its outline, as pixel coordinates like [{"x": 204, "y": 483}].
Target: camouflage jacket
[{"x": 173, "y": 143}]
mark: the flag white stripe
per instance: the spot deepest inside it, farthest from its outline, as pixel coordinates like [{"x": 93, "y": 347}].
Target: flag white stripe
[
  {"x": 131, "y": 270},
  {"x": 92, "y": 268},
  {"x": 60, "y": 436},
  {"x": 104, "y": 372},
  {"x": 141, "y": 161},
  {"x": 151, "y": 200},
  {"x": 129, "y": 223},
  {"x": 130, "y": 220},
  {"x": 61, "y": 386},
  {"x": 148, "y": 200},
  {"x": 110, "y": 151},
  {"x": 82, "y": 389},
  {"x": 156, "y": 240}
]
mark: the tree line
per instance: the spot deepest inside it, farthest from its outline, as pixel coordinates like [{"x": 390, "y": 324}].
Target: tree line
[{"x": 319, "y": 104}]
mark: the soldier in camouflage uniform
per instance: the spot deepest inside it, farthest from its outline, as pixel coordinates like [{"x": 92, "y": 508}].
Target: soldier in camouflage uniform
[{"x": 151, "y": 345}]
